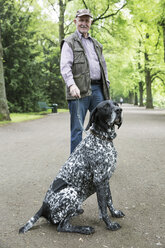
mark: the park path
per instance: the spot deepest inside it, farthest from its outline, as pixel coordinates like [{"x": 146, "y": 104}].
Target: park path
[{"x": 31, "y": 154}]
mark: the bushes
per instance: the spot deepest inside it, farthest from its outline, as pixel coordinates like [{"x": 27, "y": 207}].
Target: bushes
[{"x": 31, "y": 62}]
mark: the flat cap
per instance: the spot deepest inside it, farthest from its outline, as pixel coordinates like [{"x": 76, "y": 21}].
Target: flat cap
[{"x": 83, "y": 12}]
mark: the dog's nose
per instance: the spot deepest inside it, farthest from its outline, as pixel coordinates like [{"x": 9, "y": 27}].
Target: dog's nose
[{"x": 118, "y": 110}]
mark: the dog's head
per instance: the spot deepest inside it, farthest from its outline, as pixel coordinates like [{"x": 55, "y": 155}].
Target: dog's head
[{"x": 106, "y": 115}]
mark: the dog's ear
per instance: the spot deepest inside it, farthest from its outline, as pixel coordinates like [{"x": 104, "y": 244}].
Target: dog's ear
[{"x": 92, "y": 118}]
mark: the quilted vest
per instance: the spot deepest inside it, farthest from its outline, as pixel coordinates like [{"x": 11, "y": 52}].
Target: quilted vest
[{"x": 80, "y": 67}]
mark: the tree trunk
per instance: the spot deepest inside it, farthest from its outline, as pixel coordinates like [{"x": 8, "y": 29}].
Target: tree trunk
[
  {"x": 131, "y": 97},
  {"x": 163, "y": 26},
  {"x": 148, "y": 81},
  {"x": 4, "y": 111},
  {"x": 136, "y": 97},
  {"x": 61, "y": 21},
  {"x": 141, "y": 94},
  {"x": 162, "y": 23},
  {"x": 149, "y": 102}
]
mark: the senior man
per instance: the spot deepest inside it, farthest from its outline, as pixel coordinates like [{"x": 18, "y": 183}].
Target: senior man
[{"x": 84, "y": 71}]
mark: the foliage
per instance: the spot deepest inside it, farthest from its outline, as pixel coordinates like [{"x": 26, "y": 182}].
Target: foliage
[
  {"x": 146, "y": 20},
  {"x": 132, "y": 33},
  {"x": 31, "y": 72}
]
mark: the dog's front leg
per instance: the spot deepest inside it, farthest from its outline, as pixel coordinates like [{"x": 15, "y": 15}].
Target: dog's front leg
[
  {"x": 102, "y": 197},
  {"x": 115, "y": 213}
]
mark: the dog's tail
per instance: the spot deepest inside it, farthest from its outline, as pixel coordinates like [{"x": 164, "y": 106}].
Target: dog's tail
[{"x": 31, "y": 222}]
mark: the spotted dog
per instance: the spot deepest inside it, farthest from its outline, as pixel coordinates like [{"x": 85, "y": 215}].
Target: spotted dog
[{"x": 87, "y": 170}]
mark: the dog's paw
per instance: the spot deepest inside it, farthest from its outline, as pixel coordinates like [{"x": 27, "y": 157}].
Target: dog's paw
[
  {"x": 87, "y": 230},
  {"x": 79, "y": 211},
  {"x": 117, "y": 214},
  {"x": 113, "y": 226},
  {"x": 75, "y": 229},
  {"x": 21, "y": 230}
]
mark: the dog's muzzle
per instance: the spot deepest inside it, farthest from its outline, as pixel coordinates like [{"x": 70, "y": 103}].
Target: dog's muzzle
[
  {"x": 119, "y": 117},
  {"x": 116, "y": 118}
]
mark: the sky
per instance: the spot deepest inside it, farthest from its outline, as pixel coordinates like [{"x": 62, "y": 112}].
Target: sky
[{"x": 52, "y": 13}]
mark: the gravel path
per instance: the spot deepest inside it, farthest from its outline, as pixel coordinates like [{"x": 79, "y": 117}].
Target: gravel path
[{"x": 31, "y": 154}]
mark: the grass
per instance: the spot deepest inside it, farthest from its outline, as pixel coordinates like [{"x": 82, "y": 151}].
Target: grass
[{"x": 20, "y": 117}]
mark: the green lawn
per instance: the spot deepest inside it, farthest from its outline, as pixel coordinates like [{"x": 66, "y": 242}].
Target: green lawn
[{"x": 19, "y": 117}]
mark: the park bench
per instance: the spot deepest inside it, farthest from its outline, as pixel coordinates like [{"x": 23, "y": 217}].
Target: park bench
[{"x": 44, "y": 106}]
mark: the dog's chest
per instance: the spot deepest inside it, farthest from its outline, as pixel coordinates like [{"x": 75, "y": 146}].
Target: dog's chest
[{"x": 92, "y": 162}]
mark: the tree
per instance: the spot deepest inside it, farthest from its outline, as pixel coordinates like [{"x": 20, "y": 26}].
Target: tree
[
  {"x": 161, "y": 22},
  {"x": 151, "y": 40},
  {"x": 4, "y": 111},
  {"x": 30, "y": 57},
  {"x": 62, "y": 8},
  {"x": 54, "y": 86},
  {"x": 21, "y": 69}
]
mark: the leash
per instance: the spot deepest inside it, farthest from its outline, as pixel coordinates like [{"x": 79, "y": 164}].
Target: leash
[{"x": 79, "y": 117}]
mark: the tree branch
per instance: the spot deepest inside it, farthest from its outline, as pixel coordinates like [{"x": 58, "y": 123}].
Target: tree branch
[
  {"x": 51, "y": 41},
  {"x": 85, "y": 4},
  {"x": 53, "y": 7},
  {"x": 22, "y": 4},
  {"x": 158, "y": 78},
  {"x": 139, "y": 31},
  {"x": 67, "y": 27},
  {"x": 154, "y": 75},
  {"x": 157, "y": 43},
  {"x": 104, "y": 12},
  {"x": 101, "y": 17},
  {"x": 107, "y": 30}
]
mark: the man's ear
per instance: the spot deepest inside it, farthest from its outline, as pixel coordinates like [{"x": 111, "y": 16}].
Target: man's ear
[{"x": 74, "y": 21}]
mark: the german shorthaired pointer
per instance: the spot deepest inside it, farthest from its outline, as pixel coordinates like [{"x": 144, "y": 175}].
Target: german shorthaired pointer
[{"x": 87, "y": 170}]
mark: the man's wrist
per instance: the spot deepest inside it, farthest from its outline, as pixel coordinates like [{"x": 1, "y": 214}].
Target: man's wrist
[
  {"x": 71, "y": 85},
  {"x": 70, "y": 82}
]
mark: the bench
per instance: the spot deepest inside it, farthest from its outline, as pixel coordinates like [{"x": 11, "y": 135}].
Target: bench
[{"x": 44, "y": 106}]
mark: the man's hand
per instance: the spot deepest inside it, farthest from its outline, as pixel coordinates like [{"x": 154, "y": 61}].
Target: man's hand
[{"x": 74, "y": 91}]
